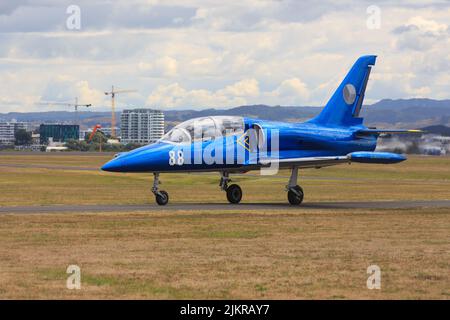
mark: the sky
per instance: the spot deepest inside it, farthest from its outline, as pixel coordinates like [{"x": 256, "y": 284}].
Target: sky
[{"x": 186, "y": 54}]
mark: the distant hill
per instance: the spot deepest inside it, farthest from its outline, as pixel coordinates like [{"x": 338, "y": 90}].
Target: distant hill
[
  {"x": 404, "y": 113},
  {"x": 439, "y": 130},
  {"x": 412, "y": 112},
  {"x": 276, "y": 113},
  {"x": 400, "y": 104}
]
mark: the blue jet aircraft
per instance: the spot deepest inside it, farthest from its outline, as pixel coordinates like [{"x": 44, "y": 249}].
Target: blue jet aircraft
[{"x": 233, "y": 144}]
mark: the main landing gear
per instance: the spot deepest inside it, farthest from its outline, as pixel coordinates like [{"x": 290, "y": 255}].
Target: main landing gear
[
  {"x": 295, "y": 192},
  {"x": 234, "y": 192},
  {"x": 161, "y": 196}
]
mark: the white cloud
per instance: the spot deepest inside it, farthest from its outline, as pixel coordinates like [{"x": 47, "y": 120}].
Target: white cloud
[
  {"x": 64, "y": 88},
  {"x": 292, "y": 88},
  {"x": 87, "y": 94},
  {"x": 421, "y": 34},
  {"x": 427, "y": 25},
  {"x": 290, "y": 92},
  {"x": 187, "y": 53},
  {"x": 175, "y": 96},
  {"x": 243, "y": 88},
  {"x": 163, "y": 67}
]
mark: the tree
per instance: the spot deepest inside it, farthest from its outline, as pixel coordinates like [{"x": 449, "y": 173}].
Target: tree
[
  {"x": 22, "y": 137},
  {"x": 77, "y": 145},
  {"x": 99, "y": 137}
]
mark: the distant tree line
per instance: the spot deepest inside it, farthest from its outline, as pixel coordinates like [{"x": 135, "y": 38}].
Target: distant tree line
[{"x": 99, "y": 142}]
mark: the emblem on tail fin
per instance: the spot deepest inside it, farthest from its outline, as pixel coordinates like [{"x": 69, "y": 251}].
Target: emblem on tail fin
[{"x": 349, "y": 94}]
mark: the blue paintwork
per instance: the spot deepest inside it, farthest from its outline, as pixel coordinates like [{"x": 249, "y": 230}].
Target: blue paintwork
[
  {"x": 332, "y": 133},
  {"x": 377, "y": 157}
]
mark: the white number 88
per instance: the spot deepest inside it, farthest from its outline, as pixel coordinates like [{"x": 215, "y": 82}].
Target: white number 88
[{"x": 176, "y": 160}]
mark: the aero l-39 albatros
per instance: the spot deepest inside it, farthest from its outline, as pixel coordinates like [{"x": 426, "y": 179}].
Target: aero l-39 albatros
[{"x": 233, "y": 144}]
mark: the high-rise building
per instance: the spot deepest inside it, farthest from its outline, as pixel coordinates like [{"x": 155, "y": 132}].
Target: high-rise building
[
  {"x": 6, "y": 133},
  {"x": 8, "y": 130},
  {"x": 141, "y": 126}
]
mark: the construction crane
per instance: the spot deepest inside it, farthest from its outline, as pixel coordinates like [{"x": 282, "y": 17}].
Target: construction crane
[
  {"x": 94, "y": 130},
  {"x": 113, "y": 93},
  {"x": 91, "y": 136},
  {"x": 68, "y": 104}
]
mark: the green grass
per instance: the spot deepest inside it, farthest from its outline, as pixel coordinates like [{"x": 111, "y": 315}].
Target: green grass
[{"x": 419, "y": 178}]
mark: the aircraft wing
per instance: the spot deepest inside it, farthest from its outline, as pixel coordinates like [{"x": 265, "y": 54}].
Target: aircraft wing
[
  {"x": 380, "y": 131},
  {"x": 318, "y": 162},
  {"x": 309, "y": 162}
]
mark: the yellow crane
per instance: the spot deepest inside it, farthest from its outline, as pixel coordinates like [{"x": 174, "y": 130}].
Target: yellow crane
[{"x": 113, "y": 93}]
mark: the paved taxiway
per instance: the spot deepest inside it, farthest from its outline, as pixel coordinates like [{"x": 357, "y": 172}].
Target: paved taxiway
[{"x": 226, "y": 206}]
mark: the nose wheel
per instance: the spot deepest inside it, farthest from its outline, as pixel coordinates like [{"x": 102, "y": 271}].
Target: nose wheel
[{"x": 161, "y": 196}]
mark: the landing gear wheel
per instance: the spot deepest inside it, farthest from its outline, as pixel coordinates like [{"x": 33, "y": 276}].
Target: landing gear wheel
[
  {"x": 295, "y": 196},
  {"x": 234, "y": 193},
  {"x": 162, "y": 198}
]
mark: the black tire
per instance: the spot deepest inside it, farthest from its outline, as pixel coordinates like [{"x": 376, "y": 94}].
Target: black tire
[
  {"x": 234, "y": 193},
  {"x": 162, "y": 198},
  {"x": 295, "y": 199}
]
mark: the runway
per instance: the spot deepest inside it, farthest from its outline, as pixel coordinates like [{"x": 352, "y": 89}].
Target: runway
[{"x": 226, "y": 207}]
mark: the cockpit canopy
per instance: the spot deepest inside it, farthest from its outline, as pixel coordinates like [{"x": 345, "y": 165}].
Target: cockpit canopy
[{"x": 204, "y": 129}]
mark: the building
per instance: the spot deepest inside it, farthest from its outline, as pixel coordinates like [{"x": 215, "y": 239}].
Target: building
[
  {"x": 55, "y": 146},
  {"x": 36, "y": 138},
  {"x": 141, "y": 126},
  {"x": 58, "y": 132},
  {"x": 8, "y": 130},
  {"x": 7, "y": 133}
]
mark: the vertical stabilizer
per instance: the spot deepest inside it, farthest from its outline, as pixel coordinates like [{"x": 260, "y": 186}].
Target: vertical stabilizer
[{"x": 344, "y": 106}]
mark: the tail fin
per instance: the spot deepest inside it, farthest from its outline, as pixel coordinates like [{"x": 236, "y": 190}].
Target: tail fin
[{"x": 344, "y": 106}]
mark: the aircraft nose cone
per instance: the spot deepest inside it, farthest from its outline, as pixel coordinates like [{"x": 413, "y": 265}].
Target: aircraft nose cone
[{"x": 114, "y": 165}]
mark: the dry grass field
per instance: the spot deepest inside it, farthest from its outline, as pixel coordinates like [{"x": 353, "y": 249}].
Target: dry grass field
[
  {"x": 58, "y": 179},
  {"x": 293, "y": 254}
]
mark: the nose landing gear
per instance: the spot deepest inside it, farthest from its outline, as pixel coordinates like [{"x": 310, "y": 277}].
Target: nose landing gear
[{"x": 161, "y": 196}]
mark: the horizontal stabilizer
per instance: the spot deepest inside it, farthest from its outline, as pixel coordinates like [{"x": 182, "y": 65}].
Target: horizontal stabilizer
[
  {"x": 376, "y": 157},
  {"x": 380, "y": 131}
]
